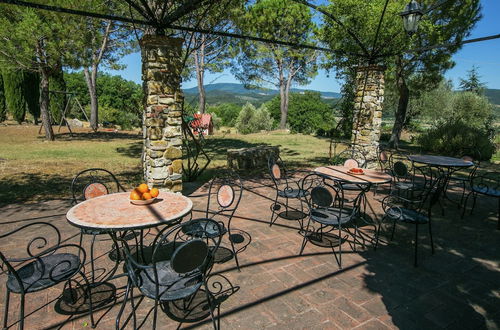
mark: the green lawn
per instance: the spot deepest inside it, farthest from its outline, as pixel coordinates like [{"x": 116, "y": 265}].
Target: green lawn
[{"x": 31, "y": 168}]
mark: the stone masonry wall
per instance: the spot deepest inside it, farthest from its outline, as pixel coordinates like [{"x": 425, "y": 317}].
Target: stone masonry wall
[
  {"x": 368, "y": 110},
  {"x": 162, "y": 132}
]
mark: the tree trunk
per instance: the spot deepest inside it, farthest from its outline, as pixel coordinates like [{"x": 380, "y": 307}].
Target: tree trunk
[
  {"x": 44, "y": 104},
  {"x": 199, "y": 59},
  {"x": 404, "y": 97},
  {"x": 91, "y": 79}
]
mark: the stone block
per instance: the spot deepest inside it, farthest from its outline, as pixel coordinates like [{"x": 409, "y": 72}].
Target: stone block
[
  {"x": 159, "y": 173},
  {"x": 176, "y": 186},
  {"x": 250, "y": 158},
  {"x": 172, "y": 153},
  {"x": 158, "y": 162},
  {"x": 172, "y": 131},
  {"x": 152, "y": 99},
  {"x": 166, "y": 100},
  {"x": 175, "y": 142},
  {"x": 175, "y": 113},
  {"x": 154, "y": 122},
  {"x": 174, "y": 120},
  {"x": 154, "y": 154},
  {"x": 176, "y": 166},
  {"x": 154, "y": 133},
  {"x": 158, "y": 145},
  {"x": 176, "y": 176}
]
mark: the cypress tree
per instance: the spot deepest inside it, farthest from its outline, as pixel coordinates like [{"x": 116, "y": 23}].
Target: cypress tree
[
  {"x": 13, "y": 82},
  {"x": 3, "y": 108},
  {"x": 57, "y": 100},
  {"x": 32, "y": 94}
]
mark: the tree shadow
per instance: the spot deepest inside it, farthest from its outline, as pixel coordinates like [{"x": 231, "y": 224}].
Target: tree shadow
[
  {"x": 101, "y": 136},
  {"x": 457, "y": 287}
]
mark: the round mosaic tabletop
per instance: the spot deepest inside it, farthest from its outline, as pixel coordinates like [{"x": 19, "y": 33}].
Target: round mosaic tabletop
[
  {"x": 368, "y": 176},
  {"x": 440, "y": 161},
  {"x": 115, "y": 212}
]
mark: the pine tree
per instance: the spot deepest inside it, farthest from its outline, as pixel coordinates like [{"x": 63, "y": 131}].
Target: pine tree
[
  {"x": 32, "y": 93},
  {"x": 472, "y": 83},
  {"x": 13, "y": 81},
  {"x": 3, "y": 108}
]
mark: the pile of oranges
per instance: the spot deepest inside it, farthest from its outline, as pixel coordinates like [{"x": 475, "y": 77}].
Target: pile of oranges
[{"x": 142, "y": 192}]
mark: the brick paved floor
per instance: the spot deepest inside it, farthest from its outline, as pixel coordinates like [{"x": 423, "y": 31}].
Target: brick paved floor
[{"x": 457, "y": 287}]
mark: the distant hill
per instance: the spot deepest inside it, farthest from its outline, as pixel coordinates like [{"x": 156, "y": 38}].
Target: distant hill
[
  {"x": 238, "y": 94},
  {"x": 493, "y": 95}
]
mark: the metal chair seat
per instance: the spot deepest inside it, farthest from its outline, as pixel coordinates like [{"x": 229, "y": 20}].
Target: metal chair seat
[
  {"x": 292, "y": 193},
  {"x": 332, "y": 216},
  {"x": 352, "y": 187},
  {"x": 45, "y": 272},
  {"x": 171, "y": 285},
  {"x": 407, "y": 215},
  {"x": 408, "y": 185},
  {"x": 205, "y": 226},
  {"x": 489, "y": 191}
]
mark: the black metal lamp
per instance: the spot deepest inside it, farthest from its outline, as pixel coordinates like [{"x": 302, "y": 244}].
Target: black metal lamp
[{"x": 411, "y": 16}]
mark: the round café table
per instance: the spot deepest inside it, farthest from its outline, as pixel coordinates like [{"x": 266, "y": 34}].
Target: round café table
[
  {"x": 445, "y": 165},
  {"x": 440, "y": 161},
  {"x": 114, "y": 213},
  {"x": 368, "y": 176}
]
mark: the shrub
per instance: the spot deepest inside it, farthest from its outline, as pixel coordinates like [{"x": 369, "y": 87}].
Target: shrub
[
  {"x": 227, "y": 112},
  {"x": 307, "y": 113},
  {"x": 13, "y": 82},
  {"x": 453, "y": 138},
  {"x": 126, "y": 120},
  {"x": 252, "y": 120}
]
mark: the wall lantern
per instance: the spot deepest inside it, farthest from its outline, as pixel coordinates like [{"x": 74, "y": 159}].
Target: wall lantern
[{"x": 411, "y": 16}]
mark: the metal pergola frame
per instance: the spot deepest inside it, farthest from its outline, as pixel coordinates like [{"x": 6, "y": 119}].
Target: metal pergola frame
[{"x": 164, "y": 20}]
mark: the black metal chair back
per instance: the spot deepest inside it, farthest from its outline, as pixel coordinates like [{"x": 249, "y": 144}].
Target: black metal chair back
[
  {"x": 42, "y": 264},
  {"x": 352, "y": 157},
  {"x": 278, "y": 172},
  {"x": 176, "y": 265},
  {"x": 224, "y": 194},
  {"x": 487, "y": 183},
  {"x": 94, "y": 182}
]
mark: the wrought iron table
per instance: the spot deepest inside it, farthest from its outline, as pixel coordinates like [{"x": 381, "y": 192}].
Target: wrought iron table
[
  {"x": 114, "y": 213},
  {"x": 368, "y": 177},
  {"x": 445, "y": 165},
  {"x": 365, "y": 181}
]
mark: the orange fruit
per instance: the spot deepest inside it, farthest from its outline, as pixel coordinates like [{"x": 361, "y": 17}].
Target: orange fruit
[
  {"x": 154, "y": 192},
  {"x": 143, "y": 188},
  {"x": 135, "y": 195},
  {"x": 146, "y": 196}
]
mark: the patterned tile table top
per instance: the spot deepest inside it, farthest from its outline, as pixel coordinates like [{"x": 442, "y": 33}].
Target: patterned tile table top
[
  {"x": 368, "y": 176},
  {"x": 114, "y": 211}
]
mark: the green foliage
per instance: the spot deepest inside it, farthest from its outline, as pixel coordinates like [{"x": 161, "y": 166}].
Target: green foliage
[
  {"x": 120, "y": 100},
  {"x": 453, "y": 138},
  {"x": 32, "y": 93},
  {"x": 57, "y": 100},
  {"x": 227, "y": 112},
  {"x": 252, "y": 120},
  {"x": 3, "y": 107},
  {"x": 307, "y": 113},
  {"x": 472, "y": 83},
  {"x": 473, "y": 109},
  {"x": 216, "y": 121},
  {"x": 346, "y": 106},
  {"x": 13, "y": 81}
]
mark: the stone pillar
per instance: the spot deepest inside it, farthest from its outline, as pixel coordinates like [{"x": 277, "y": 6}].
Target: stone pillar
[
  {"x": 368, "y": 110},
  {"x": 162, "y": 132}
]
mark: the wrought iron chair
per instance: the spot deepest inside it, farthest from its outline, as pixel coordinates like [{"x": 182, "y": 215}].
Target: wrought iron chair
[
  {"x": 487, "y": 184},
  {"x": 224, "y": 196},
  {"x": 173, "y": 272},
  {"x": 352, "y": 157},
  {"x": 415, "y": 210},
  {"x": 464, "y": 177},
  {"x": 91, "y": 183},
  {"x": 409, "y": 180},
  {"x": 329, "y": 211},
  {"x": 45, "y": 263},
  {"x": 286, "y": 188},
  {"x": 384, "y": 160}
]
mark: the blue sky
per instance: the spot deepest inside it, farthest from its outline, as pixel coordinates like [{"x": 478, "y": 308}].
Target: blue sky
[{"x": 485, "y": 55}]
